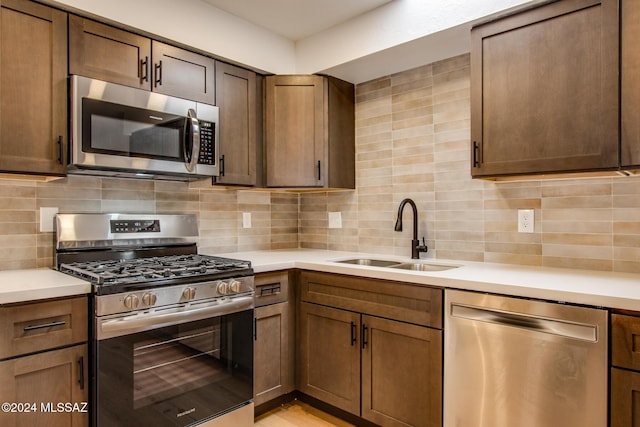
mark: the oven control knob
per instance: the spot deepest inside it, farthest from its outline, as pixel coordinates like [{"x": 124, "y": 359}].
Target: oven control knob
[
  {"x": 149, "y": 299},
  {"x": 189, "y": 293},
  {"x": 223, "y": 288},
  {"x": 131, "y": 301},
  {"x": 235, "y": 286}
]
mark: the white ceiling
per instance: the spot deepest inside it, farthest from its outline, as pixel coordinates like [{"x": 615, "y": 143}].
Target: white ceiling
[{"x": 297, "y": 19}]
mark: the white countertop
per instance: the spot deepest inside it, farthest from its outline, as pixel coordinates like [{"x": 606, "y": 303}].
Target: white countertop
[
  {"x": 596, "y": 288},
  {"x": 39, "y": 283}
]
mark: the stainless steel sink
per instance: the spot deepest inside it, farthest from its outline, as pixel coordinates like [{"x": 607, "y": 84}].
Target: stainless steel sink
[
  {"x": 420, "y": 266},
  {"x": 370, "y": 262},
  {"x": 415, "y": 266}
]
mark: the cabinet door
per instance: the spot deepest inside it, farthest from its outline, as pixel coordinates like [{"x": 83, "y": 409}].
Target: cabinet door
[
  {"x": 106, "y": 53},
  {"x": 178, "y": 72},
  {"x": 401, "y": 373},
  {"x": 295, "y": 135},
  {"x": 47, "y": 379},
  {"x": 625, "y": 398},
  {"x": 630, "y": 91},
  {"x": 329, "y": 354},
  {"x": 544, "y": 90},
  {"x": 236, "y": 97},
  {"x": 272, "y": 376},
  {"x": 33, "y": 88}
]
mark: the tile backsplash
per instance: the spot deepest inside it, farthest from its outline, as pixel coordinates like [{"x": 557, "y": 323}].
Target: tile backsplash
[
  {"x": 412, "y": 140},
  {"x": 274, "y": 216}
]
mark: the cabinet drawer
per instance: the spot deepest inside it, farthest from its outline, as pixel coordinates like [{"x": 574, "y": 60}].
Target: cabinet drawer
[
  {"x": 271, "y": 288},
  {"x": 28, "y": 328},
  {"x": 421, "y": 305},
  {"x": 625, "y": 341}
]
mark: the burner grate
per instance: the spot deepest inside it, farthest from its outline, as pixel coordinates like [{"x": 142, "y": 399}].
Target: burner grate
[{"x": 142, "y": 270}]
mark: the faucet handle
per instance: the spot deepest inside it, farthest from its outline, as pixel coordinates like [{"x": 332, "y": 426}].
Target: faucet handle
[{"x": 422, "y": 247}]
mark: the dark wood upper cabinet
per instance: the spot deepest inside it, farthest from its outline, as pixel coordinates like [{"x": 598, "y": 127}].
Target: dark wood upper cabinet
[
  {"x": 33, "y": 88},
  {"x": 236, "y": 90},
  {"x": 182, "y": 73},
  {"x": 103, "y": 52},
  {"x": 310, "y": 132},
  {"x": 630, "y": 91},
  {"x": 107, "y": 53},
  {"x": 544, "y": 90}
]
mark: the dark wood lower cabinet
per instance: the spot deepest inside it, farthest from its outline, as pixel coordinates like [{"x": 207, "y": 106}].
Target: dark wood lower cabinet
[
  {"x": 401, "y": 373},
  {"x": 273, "y": 376},
  {"x": 43, "y": 381},
  {"x": 330, "y": 356},
  {"x": 385, "y": 371},
  {"x": 625, "y": 398}
]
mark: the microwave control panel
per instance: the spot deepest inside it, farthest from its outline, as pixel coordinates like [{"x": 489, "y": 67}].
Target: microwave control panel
[{"x": 207, "y": 142}]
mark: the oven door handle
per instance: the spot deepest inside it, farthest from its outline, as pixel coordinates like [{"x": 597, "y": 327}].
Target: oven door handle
[{"x": 129, "y": 324}]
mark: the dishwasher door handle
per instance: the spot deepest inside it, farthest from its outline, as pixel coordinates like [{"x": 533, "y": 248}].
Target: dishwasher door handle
[{"x": 579, "y": 331}]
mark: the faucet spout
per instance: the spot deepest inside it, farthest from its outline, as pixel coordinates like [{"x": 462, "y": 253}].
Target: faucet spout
[{"x": 416, "y": 247}]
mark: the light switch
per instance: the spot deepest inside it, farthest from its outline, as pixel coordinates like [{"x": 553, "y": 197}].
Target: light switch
[
  {"x": 47, "y": 216},
  {"x": 246, "y": 219}
]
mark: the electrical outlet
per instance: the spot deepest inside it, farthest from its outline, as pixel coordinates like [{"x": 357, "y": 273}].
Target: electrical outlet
[
  {"x": 46, "y": 219},
  {"x": 335, "y": 219},
  {"x": 526, "y": 221}
]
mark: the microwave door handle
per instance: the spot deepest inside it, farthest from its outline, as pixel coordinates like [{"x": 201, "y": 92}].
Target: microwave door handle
[{"x": 191, "y": 140}]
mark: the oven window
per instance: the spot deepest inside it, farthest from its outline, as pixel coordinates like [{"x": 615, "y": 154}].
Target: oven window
[
  {"x": 109, "y": 128},
  {"x": 176, "y": 375}
]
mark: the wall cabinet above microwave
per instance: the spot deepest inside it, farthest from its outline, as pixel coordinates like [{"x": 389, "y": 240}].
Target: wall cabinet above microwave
[
  {"x": 106, "y": 53},
  {"x": 544, "y": 90}
]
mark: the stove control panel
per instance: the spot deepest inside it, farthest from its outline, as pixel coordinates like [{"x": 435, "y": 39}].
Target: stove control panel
[
  {"x": 150, "y": 299},
  {"x": 135, "y": 226}
]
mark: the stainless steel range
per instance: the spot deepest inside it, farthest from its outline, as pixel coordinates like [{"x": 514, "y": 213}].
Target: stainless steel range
[{"x": 172, "y": 330}]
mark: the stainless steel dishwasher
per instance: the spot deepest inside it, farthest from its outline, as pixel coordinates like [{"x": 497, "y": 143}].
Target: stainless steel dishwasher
[{"x": 512, "y": 362}]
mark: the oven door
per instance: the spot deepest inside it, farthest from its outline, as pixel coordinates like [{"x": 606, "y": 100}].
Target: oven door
[{"x": 174, "y": 375}]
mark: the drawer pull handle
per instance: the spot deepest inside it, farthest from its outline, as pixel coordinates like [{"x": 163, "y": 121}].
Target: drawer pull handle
[
  {"x": 269, "y": 290},
  {"x": 44, "y": 325}
]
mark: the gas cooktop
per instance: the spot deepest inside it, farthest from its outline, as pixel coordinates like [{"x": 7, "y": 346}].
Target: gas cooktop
[{"x": 157, "y": 271}]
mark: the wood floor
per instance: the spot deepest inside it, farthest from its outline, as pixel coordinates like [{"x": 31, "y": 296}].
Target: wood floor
[{"x": 298, "y": 414}]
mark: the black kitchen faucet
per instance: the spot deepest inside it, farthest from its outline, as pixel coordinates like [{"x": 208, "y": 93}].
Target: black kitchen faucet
[{"x": 416, "y": 247}]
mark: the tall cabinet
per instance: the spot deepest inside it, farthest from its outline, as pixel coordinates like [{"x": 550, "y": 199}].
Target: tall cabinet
[
  {"x": 33, "y": 88},
  {"x": 309, "y": 132}
]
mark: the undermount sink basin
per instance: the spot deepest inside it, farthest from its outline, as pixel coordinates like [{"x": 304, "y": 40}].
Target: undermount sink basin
[
  {"x": 370, "y": 262},
  {"x": 415, "y": 266},
  {"x": 419, "y": 266}
]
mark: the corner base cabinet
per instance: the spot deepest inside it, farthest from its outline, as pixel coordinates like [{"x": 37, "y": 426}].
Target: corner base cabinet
[{"x": 372, "y": 348}]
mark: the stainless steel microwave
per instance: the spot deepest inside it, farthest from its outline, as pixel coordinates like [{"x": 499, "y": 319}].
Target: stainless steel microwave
[{"x": 123, "y": 131}]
